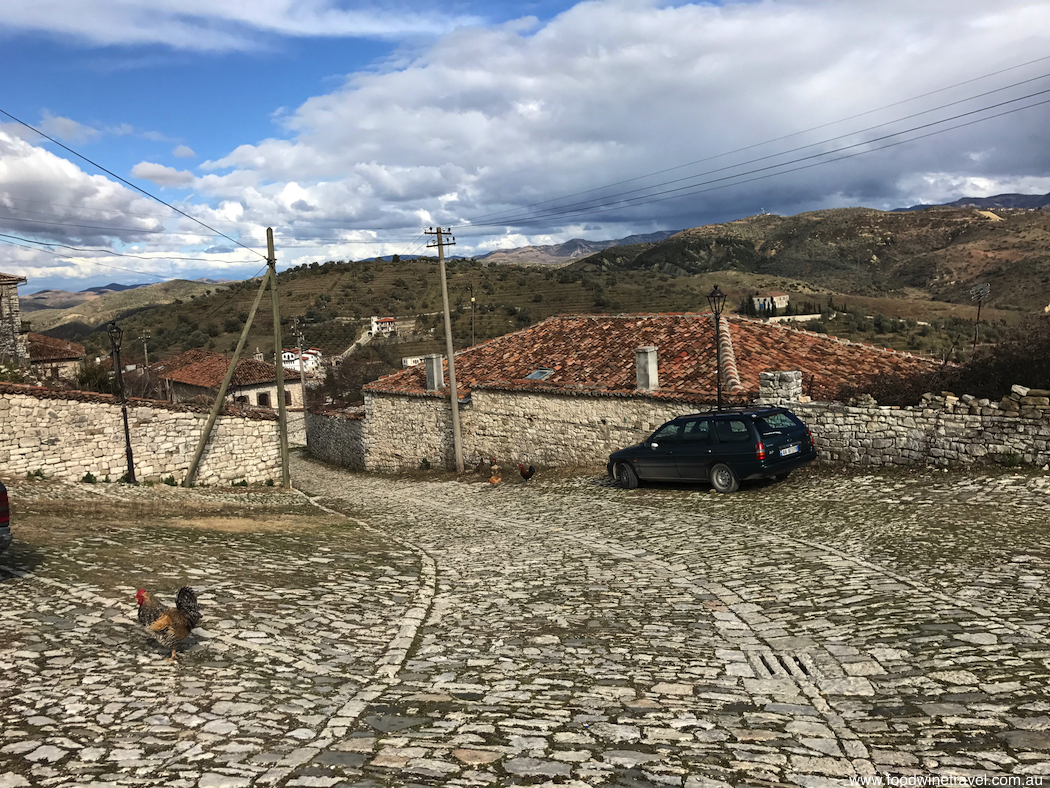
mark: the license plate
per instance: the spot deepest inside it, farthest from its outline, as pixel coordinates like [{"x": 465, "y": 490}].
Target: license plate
[{"x": 792, "y": 449}]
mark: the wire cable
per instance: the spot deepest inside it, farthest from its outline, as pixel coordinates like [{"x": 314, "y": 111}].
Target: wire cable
[
  {"x": 129, "y": 183},
  {"x": 570, "y": 210}
]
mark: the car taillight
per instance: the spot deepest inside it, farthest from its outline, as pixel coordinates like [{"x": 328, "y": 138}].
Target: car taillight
[
  {"x": 810, "y": 434},
  {"x": 760, "y": 451}
]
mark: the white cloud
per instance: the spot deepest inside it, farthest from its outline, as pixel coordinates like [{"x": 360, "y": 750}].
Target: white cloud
[
  {"x": 183, "y": 152},
  {"x": 66, "y": 129},
  {"x": 162, "y": 175},
  {"x": 221, "y": 25},
  {"x": 487, "y": 121}
]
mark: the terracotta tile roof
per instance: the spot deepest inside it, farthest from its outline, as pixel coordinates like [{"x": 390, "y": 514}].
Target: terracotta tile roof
[
  {"x": 595, "y": 355},
  {"x": 42, "y": 393},
  {"x": 198, "y": 367},
  {"x": 45, "y": 348}
]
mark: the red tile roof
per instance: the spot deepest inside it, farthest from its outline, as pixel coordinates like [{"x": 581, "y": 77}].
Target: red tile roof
[
  {"x": 45, "y": 348},
  {"x": 595, "y": 354},
  {"x": 198, "y": 367}
]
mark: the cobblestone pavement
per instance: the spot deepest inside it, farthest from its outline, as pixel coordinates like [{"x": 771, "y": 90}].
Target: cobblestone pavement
[{"x": 564, "y": 632}]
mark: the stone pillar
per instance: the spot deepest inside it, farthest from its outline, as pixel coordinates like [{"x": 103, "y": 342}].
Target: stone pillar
[
  {"x": 779, "y": 388},
  {"x": 435, "y": 372},
  {"x": 646, "y": 368}
]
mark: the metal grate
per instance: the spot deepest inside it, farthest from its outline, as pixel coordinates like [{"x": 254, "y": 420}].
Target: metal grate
[{"x": 766, "y": 664}]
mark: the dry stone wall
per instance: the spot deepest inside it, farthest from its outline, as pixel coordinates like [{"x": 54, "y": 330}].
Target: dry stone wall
[
  {"x": 69, "y": 434},
  {"x": 401, "y": 431}
]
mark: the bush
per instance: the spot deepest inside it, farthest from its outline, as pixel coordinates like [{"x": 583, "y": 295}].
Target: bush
[
  {"x": 170, "y": 480},
  {"x": 89, "y": 478}
]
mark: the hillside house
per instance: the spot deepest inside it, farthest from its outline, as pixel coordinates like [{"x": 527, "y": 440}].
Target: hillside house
[
  {"x": 55, "y": 358},
  {"x": 383, "y": 326},
  {"x": 566, "y": 389},
  {"x": 13, "y": 340},
  {"x": 774, "y": 299},
  {"x": 199, "y": 373},
  {"x": 311, "y": 360}
]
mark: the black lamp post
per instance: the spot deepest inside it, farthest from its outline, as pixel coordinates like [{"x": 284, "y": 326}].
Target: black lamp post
[
  {"x": 717, "y": 299},
  {"x": 116, "y": 333}
]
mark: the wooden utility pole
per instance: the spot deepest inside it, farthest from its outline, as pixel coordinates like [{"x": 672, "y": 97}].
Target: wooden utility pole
[
  {"x": 440, "y": 243},
  {"x": 269, "y": 280},
  {"x": 278, "y": 348}
]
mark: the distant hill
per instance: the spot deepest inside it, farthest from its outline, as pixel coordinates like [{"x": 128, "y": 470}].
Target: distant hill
[
  {"x": 559, "y": 254},
  {"x": 935, "y": 253},
  {"x": 1025, "y": 201},
  {"x": 65, "y": 315}
]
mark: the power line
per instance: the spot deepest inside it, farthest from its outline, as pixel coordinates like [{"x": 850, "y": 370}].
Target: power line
[
  {"x": 129, "y": 183},
  {"x": 767, "y": 175},
  {"x": 124, "y": 254},
  {"x": 587, "y": 207},
  {"x": 785, "y": 136}
]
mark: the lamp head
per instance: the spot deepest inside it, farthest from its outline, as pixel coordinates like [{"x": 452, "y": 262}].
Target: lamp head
[{"x": 717, "y": 299}]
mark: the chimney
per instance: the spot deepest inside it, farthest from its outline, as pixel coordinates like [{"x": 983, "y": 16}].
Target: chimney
[
  {"x": 435, "y": 372},
  {"x": 646, "y": 368}
]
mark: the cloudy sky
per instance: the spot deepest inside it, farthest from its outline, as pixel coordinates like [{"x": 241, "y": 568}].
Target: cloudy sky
[{"x": 350, "y": 127}]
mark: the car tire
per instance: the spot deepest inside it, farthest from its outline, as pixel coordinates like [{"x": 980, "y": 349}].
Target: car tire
[
  {"x": 625, "y": 476},
  {"x": 723, "y": 479}
]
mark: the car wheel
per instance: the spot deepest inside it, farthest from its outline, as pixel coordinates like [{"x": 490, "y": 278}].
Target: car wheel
[
  {"x": 625, "y": 476},
  {"x": 723, "y": 479}
]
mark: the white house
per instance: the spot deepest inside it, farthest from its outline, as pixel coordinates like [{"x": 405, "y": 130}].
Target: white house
[
  {"x": 384, "y": 326},
  {"x": 766, "y": 302},
  {"x": 311, "y": 359}
]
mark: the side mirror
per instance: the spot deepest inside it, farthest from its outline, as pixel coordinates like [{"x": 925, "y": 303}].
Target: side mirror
[{"x": 654, "y": 445}]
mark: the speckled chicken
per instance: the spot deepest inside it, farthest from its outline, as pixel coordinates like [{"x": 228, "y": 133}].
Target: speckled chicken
[{"x": 169, "y": 626}]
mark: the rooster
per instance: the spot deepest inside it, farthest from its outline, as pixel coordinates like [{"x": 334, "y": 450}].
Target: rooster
[
  {"x": 526, "y": 473},
  {"x": 485, "y": 466},
  {"x": 169, "y": 626}
]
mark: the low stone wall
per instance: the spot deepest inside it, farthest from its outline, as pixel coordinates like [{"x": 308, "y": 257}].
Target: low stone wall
[
  {"x": 67, "y": 434},
  {"x": 337, "y": 438},
  {"x": 550, "y": 429}
]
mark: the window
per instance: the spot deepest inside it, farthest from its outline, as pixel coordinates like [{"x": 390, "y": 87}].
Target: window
[
  {"x": 241, "y": 400},
  {"x": 540, "y": 374},
  {"x": 287, "y": 397},
  {"x": 697, "y": 431},
  {"x": 263, "y": 400},
  {"x": 668, "y": 433},
  {"x": 732, "y": 431},
  {"x": 775, "y": 422}
]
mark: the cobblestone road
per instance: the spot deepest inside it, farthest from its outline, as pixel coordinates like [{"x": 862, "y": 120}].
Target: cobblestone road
[{"x": 564, "y": 632}]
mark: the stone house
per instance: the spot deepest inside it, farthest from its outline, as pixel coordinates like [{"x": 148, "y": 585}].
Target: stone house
[
  {"x": 383, "y": 326},
  {"x": 566, "y": 389},
  {"x": 199, "y": 373},
  {"x": 14, "y": 346},
  {"x": 55, "y": 358}
]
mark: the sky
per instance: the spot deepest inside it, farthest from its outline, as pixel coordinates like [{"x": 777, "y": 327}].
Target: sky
[{"x": 145, "y": 140}]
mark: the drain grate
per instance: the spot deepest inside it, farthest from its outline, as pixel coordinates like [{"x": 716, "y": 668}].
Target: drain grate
[{"x": 766, "y": 664}]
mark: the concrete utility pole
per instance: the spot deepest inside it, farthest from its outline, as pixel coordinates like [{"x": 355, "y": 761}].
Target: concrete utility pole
[
  {"x": 440, "y": 243},
  {"x": 145, "y": 350}
]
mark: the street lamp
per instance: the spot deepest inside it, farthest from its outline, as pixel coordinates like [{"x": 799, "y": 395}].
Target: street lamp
[
  {"x": 116, "y": 333},
  {"x": 717, "y": 299}
]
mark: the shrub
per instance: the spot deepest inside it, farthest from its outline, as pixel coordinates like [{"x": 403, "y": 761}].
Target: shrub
[
  {"x": 241, "y": 483},
  {"x": 89, "y": 478},
  {"x": 170, "y": 480}
]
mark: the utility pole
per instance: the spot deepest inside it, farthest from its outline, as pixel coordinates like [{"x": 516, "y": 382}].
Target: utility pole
[
  {"x": 282, "y": 415},
  {"x": 440, "y": 243},
  {"x": 145, "y": 350},
  {"x": 302, "y": 366},
  {"x": 268, "y": 280},
  {"x": 472, "y": 340}
]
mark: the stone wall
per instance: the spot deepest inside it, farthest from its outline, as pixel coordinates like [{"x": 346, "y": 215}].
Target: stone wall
[
  {"x": 12, "y": 338},
  {"x": 543, "y": 428},
  {"x": 69, "y": 434},
  {"x": 337, "y": 438}
]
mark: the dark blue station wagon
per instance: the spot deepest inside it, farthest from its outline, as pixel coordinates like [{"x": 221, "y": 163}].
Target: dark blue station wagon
[{"x": 721, "y": 447}]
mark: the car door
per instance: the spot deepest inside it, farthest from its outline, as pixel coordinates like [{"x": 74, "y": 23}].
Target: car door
[
  {"x": 735, "y": 445},
  {"x": 657, "y": 459},
  {"x": 695, "y": 449}
]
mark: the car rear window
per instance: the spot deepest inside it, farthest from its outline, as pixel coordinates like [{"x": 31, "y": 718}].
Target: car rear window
[{"x": 776, "y": 422}]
